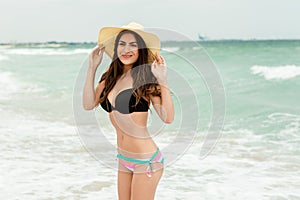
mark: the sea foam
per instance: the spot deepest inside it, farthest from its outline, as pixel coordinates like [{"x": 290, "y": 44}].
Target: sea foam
[
  {"x": 3, "y": 57},
  {"x": 8, "y": 85},
  {"x": 276, "y": 72},
  {"x": 171, "y": 49}
]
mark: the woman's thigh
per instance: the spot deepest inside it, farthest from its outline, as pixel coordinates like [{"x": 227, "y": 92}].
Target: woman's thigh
[
  {"x": 144, "y": 187},
  {"x": 124, "y": 183}
]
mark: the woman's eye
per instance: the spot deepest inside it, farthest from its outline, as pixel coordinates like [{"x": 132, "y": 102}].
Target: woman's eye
[
  {"x": 121, "y": 44},
  {"x": 133, "y": 45}
]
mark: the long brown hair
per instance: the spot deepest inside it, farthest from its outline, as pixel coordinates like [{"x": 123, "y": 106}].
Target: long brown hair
[{"x": 144, "y": 82}]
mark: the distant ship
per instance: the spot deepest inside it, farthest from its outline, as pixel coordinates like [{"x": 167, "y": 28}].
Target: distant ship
[{"x": 201, "y": 37}]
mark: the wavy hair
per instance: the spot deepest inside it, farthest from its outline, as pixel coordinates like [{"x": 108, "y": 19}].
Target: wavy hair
[{"x": 144, "y": 82}]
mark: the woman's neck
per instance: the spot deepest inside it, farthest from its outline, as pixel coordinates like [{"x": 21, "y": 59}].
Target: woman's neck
[{"x": 126, "y": 68}]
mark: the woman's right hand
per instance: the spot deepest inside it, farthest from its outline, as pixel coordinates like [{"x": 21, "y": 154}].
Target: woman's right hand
[{"x": 96, "y": 56}]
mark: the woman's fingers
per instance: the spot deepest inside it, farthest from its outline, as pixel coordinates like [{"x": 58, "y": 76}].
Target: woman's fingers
[
  {"x": 98, "y": 50},
  {"x": 95, "y": 49},
  {"x": 154, "y": 64},
  {"x": 160, "y": 60},
  {"x": 101, "y": 47},
  {"x": 156, "y": 57},
  {"x": 96, "y": 56}
]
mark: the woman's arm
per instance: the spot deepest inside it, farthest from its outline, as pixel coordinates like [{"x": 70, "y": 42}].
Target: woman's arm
[
  {"x": 164, "y": 104},
  {"x": 90, "y": 98}
]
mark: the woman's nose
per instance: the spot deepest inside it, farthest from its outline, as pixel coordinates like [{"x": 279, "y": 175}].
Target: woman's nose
[{"x": 127, "y": 48}]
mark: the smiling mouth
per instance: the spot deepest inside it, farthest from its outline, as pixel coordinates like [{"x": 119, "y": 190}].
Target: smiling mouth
[{"x": 126, "y": 56}]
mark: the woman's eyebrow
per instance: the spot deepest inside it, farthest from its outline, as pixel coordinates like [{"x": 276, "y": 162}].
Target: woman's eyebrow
[{"x": 129, "y": 42}]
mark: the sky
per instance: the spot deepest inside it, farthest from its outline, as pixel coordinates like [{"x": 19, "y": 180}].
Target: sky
[{"x": 81, "y": 20}]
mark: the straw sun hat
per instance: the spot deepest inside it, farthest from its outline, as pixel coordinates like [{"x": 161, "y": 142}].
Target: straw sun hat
[{"x": 107, "y": 37}]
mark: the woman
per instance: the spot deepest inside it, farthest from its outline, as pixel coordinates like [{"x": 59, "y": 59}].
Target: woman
[{"x": 135, "y": 78}]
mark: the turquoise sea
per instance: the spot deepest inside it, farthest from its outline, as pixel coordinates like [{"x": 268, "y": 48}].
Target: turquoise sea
[{"x": 247, "y": 90}]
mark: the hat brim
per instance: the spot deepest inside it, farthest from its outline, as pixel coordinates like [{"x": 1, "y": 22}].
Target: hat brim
[{"x": 107, "y": 37}]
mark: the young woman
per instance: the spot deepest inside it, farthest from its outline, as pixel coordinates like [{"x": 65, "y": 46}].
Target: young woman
[{"x": 135, "y": 78}]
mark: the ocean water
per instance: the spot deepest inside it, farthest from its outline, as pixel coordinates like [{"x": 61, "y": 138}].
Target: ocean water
[{"x": 46, "y": 153}]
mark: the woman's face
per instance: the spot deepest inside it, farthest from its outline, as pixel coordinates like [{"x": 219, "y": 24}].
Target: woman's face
[{"x": 128, "y": 49}]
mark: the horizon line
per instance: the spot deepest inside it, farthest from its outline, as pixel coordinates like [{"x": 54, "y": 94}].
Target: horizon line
[{"x": 163, "y": 41}]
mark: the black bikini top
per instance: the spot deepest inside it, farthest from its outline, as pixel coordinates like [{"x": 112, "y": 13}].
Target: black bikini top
[{"x": 125, "y": 103}]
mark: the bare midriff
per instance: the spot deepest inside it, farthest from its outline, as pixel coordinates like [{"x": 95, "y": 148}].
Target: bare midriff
[{"x": 132, "y": 134}]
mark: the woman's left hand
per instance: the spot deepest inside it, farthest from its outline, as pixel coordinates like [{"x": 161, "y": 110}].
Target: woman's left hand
[{"x": 159, "y": 69}]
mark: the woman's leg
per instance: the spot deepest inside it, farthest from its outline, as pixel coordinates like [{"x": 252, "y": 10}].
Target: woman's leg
[
  {"x": 124, "y": 183},
  {"x": 144, "y": 187}
]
